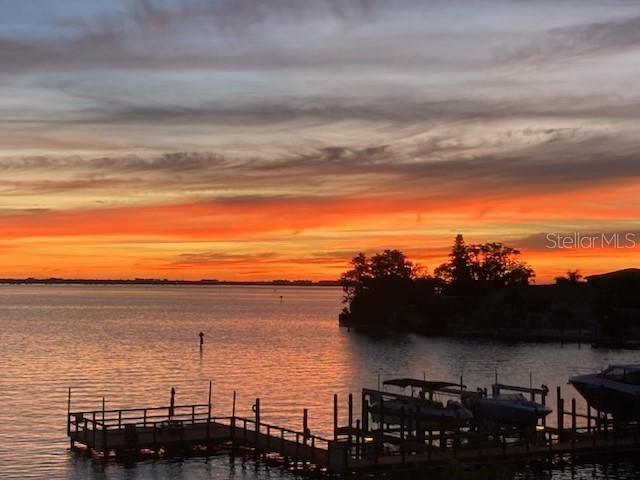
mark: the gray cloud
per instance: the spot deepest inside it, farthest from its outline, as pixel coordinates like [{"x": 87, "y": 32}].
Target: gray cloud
[
  {"x": 436, "y": 168},
  {"x": 598, "y": 38}
]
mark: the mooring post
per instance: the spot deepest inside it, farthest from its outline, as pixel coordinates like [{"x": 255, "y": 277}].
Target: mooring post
[
  {"x": 305, "y": 425},
  {"x": 69, "y": 411},
  {"x": 233, "y": 418},
  {"x": 335, "y": 416},
  {"x": 105, "y": 447},
  {"x": 560, "y": 406},
  {"x": 350, "y": 417},
  {"x": 71, "y": 442},
  {"x": 256, "y": 408},
  {"x": 573, "y": 423},
  {"x": 209, "y": 416},
  {"x": 533, "y": 395},
  {"x": 93, "y": 427},
  {"x": 364, "y": 414}
]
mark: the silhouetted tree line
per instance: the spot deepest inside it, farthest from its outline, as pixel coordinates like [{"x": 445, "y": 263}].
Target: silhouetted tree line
[
  {"x": 387, "y": 290},
  {"x": 484, "y": 289}
]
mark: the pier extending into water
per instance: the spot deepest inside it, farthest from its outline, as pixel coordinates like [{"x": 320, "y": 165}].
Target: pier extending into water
[{"x": 360, "y": 445}]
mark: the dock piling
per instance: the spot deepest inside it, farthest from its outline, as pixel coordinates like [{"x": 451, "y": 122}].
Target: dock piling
[{"x": 335, "y": 416}]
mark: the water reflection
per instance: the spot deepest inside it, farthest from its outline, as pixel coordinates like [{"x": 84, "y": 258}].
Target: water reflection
[{"x": 132, "y": 344}]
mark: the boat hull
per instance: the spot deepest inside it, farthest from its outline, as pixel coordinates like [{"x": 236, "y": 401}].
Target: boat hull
[
  {"x": 624, "y": 405},
  {"x": 490, "y": 410}
]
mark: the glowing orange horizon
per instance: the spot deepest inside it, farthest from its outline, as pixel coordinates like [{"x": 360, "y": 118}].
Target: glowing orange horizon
[{"x": 304, "y": 238}]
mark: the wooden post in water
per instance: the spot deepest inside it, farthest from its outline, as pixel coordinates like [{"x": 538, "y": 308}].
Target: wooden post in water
[
  {"x": 305, "y": 425},
  {"x": 358, "y": 438},
  {"x": 350, "y": 416},
  {"x": 381, "y": 405},
  {"x": 233, "y": 418},
  {"x": 589, "y": 418},
  {"x": 573, "y": 423},
  {"x": 560, "y": 404},
  {"x": 335, "y": 416},
  {"x": 105, "y": 447},
  {"x": 364, "y": 414},
  {"x": 71, "y": 442},
  {"x": 532, "y": 395},
  {"x": 209, "y": 416},
  {"x": 256, "y": 409}
]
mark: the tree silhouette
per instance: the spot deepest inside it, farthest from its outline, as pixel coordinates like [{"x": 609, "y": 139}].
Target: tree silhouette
[
  {"x": 483, "y": 266},
  {"x": 572, "y": 277}
]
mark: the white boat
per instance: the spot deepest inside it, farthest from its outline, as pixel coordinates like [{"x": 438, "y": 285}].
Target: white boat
[
  {"x": 615, "y": 390},
  {"x": 506, "y": 409}
]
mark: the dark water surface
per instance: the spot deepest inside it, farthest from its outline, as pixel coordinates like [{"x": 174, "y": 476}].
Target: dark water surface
[{"x": 131, "y": 344}]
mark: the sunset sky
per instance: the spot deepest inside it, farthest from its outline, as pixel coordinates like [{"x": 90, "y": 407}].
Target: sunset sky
[{"x": 260, "y": 139}]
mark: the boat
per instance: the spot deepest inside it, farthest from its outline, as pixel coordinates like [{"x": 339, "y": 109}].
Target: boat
[
  {"x": 505, "y": 409},
  {"x": 427, "y": 408},
  {"x": 615, "y": 390}
]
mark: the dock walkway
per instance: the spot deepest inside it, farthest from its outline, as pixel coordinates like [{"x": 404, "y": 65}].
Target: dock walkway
[{"x": 354, "y": 447}]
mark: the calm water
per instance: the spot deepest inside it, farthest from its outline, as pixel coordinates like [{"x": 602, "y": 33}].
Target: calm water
[{"x": 131, "y": 344}]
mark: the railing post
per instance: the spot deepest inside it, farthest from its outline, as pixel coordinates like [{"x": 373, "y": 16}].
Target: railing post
[{"x": 144, "y": 418}]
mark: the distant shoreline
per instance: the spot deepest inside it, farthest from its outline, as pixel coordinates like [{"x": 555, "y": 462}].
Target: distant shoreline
[{"x": 153, "y": 281}]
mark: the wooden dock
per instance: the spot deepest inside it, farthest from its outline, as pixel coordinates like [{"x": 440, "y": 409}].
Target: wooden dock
[{"x": 356, "y": 446}]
